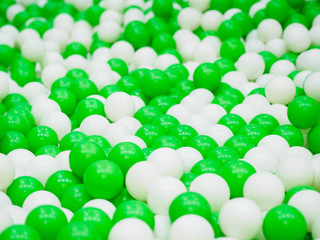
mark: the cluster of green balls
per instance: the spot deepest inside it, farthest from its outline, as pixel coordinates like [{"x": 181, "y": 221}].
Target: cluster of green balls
[{"x": 159, "y": 119}]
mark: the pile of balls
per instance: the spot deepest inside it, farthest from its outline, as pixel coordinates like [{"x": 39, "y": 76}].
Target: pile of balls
[{"x": 159, "y": 119}]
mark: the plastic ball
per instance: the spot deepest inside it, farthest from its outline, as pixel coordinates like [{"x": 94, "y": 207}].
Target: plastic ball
[
  {"x": 284, "y": 221},
  {"x": 7, "y": 171},
  {"x": 269, "y": 29},
  {"x": 190, "y": 156},
  {"x": 155, "y": 83},
  {"x": 311, "y": 86},
  {"x": 251, "y": 59},
  {"x": 207, "y": 76},
  {"x": 295, "y": 171},
  {"x": 262, "y": 159},
  {"x": 102, "y": 204},
  {"x": 39, "y": 198},
  {"x": 47, "y": 220},
  {"x": 265, "y": 189},
  {"x": 162, "y": 192},
  {"x": 139, "y": 179},
  {"x": 297, "y": 37},
  {"x": 96, "y": 217},
  {"x": 189, "y": 18},
  {"x": 191, "y": 226},
  {"x": 132, "y": 228},
  {"x": 189, "y": 203},
  {"x": 83, "y": 154},
  {"x": 78, "y": 230},
  {"x": 167, "y": 161},
  {"x": 103, "y": 179},
  {"x": 20, "y": 231},
  {"x": 213, "y": 187},
  {"x": 240, "y": 218},
  {"x": 307, "y": 202}
]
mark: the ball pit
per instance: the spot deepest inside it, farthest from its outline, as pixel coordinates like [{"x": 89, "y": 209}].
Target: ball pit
[{"x": 160, "y": 119}]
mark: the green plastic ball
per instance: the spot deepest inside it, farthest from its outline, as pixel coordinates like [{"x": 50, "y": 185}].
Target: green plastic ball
[
  {"x": 84, "y": 154},
  {"x": 229, "y": 29},
  {"x": 94, "y": 216},
  {"x": 267, "y": 121},
  {"x": 155, "y": 83},
  {"x": 168, "y": 141},
  {"x": 79, "y": 231},
  {"x": 50, "y": 150},
  {"x": 82, "y": 88},
  {"x": 87, "y": 107},
  {"x": 313, "y": 139},
  {"x": 75, "y": 48},
  {"x": 125, "y": 155},
  {"x": 184, "y": 133},
  {"x": 233, "y": 121},
  {"x": 149, "y": 133},
  {"x": 47, "y": 220},
  {"x": 75, "y": 197},
  {"x": 278, "y": 10},
  {"x": 71, "y": 139},
  {"x": 223, "y": 155},
  {"x": 291, "y": 134},
  {"x": 284, "y": 222},
  {"x": 40, "y": 136},
  {"x": 303, "y": 112},
  {"x": 147, "y": 114},
  {"x": 189, "y": 203},
  {"x": 236, "y": 174},
  {"x": 134, "y": 209},
  {"x": 137, "y": 34},
  {"x": 103, "y": 179},
  {"x": 254, "y": 132},
  {"x": 16, "y": 122},
  {"x": 203, "y": 143},
  {"x": 208, "y": 76},
  {"x": 241, "y": 144},
  {"x": 206, "y": 166},
  {"x": 162, "y": 8},
  {"x": 187, "y": 179},
  {"x": 21, "y": 232},
  {"x": 232, "y": 49},
  {"x": 13, "y": 140},
  {"x": 166, "y": 122},
  {"x": 294, "y": 190},
  {"x": 119, "y": 66},
  {"x": 21, "y": 188},
  {"x": 60, "y": 181}
]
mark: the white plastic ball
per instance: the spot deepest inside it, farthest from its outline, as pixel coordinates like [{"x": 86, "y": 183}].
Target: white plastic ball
[
  {"x": 162, "y": 192},
  {"x": 269, "y": 29},
  {"x": 315, "y": 33},
  {"x": 205, "y": 52},
  {"x": 165, "y": 60},
  {"x": 213, "y": 112},
  {"x": 309, "y": 60},
  {"x": 122, "y": 50},
  {"x": 193, "y": 102},
  {"x": 62, "y": 160},
  {"x": 52, "y": 72},
  {"x": 42, "y": 167},
  {"x": 316, "y": 167},
  {"x": 68, "y": 213},
  {"x": 277, "y": 46},
  {"x": 282, "y": 67},
  {"x": 4, "y": 85},
  {"x": 189, "y": 18},
  {"x": 251, "y": 65},
  {"x": 279, "y": 111},
  {"x": 211, "y": 20},
  {"x": 33, "y": 50},
  {"x": 257, "y": 101},
  {"x": 280, "y": 89},
  {"x": 200, "y": 123},
  {"x": 254, "y": 45},
  {"x": 131, "y": 228},
  {"x": 265, "y": 189},
  {"x": 234, "y": 79},
  {"x": 21, "y": 158},
  {"x": 63, "y": 20},
  {"x": 240, "y": 218},
  {"x": 139, "y": 179},
  {"x": 5, "y": 220},
  {"x": 134, "y": 139},
  {"x": 17, "y": 214},
  {"x": 7, "y": 172},
  {"x": 308, "y": 203},
  {"x": 75, "y": 61},
  {"x": 59, "y": 122},
  {"x": 191, "y": 226},
  {"x": 262, "y": 159},
  {"x": 297, "y": 37},
  {"x": 316, "y": 228},
  {"x": 13, "y": 10},
  {"x": 300, "y": 78},
  {"x": 246, "y": 111},
  {"x": 102, "y": 78},
  {"x": 118, "y": 105},
  {"x": 131, "y": 123},
  {"x": 201, "y": 5},
  {"x": 93, "y": 125},
  {"x": 103, "y": 205},
  {"x": 4, "y": 200},
  {"x": 167, "y": 161},
  {"x": 58, "y": 35},
  {"x": 275, "y": 144},
  {"x": 295, "y": 171},
  {"x": 162, "y": 226},
  {"x": 299, "y": 151},
  {"x": 42, "y": 108},
  {"x": 33, "y": 89},
  {"x": 181, "y": 112},
  {"x": 114, "y": 132},
  {"x": 213, "y": 188},
  {"x": 144, "y": 56},
  {"x": 204, "y": 93},
  {"x": 25, "y": 35},
  {"x": 190, "y": 156},
  {"x": 312, "y": 86},
  {"x": 220, "y": 133},
  {"x": 111, "y": 15},
  {"x": 40, "y": 198}
]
